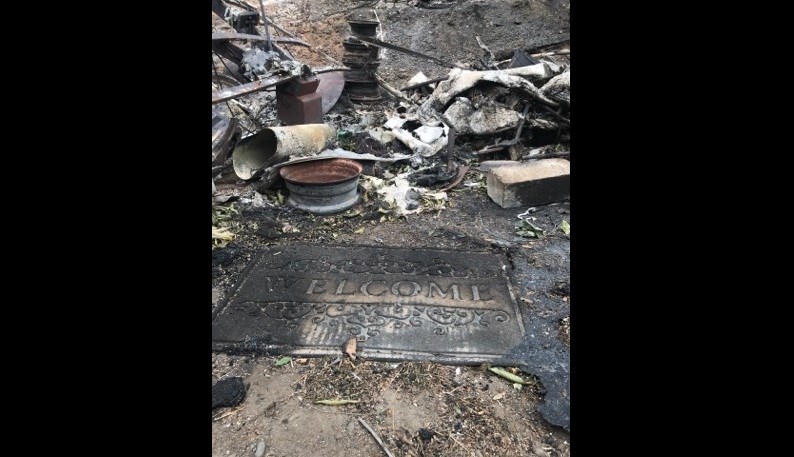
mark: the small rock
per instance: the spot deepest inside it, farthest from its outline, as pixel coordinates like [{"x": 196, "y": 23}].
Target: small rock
[
  {"x": 425, "y": 434},
  {"x": 217, "y": 295},
  {"x": 562, "y": 287},
  {"x": 539, "y": 451},
  {"x": 260, "y": 449},
  {"x": 228, "y": 392}
]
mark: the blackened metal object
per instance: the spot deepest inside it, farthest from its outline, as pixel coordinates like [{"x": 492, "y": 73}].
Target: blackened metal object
[
  {"x": 360, "y": 82},
  {"x": 323, "y": 187}
]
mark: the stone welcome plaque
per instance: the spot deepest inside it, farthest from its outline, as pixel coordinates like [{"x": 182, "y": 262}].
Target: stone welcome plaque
[{"x": 410, "y": 304}]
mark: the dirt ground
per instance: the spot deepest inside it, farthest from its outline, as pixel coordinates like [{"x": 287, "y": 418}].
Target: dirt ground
[{"x": 417, "y": 408}]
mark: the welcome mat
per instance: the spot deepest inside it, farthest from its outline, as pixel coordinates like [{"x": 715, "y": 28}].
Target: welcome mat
[{"x": 406, "y": 304}]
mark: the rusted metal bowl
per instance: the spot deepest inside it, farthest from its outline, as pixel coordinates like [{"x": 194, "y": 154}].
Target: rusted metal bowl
[{"x": 323, "y": 186}]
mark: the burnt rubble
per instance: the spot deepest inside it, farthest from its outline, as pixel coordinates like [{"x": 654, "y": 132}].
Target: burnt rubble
[
  {"x": 344, "y": 139},
  {"x": 515, "y": 110}
]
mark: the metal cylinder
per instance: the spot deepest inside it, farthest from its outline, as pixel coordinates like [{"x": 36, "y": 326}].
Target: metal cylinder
[
  {"x": 273, "y": 145},
  {"x": 323, "y": 187}
]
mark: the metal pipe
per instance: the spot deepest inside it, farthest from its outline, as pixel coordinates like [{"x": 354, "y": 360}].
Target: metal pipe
[
  {"x": 245, "y": 89},
  {"x": 383, "y": 44},
  {"x": 267, "y": 31},
  {"x": 273, "y": 145},
  {"x": 228, "y": 36},
  {"x": 451, "y": 149}
]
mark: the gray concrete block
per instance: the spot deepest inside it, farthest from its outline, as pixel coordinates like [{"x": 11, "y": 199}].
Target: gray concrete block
[{"x": 534, "y": 183}]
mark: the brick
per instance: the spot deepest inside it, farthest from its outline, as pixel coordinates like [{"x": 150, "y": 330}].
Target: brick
[
  {"x": 534, "y": 183},
  {"x": 304, "y": 109}
]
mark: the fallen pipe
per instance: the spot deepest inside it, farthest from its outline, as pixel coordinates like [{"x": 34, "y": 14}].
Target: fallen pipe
[
  {"x": 411, "y": 52},
  {"x": 245, "y": 89},
  {"x": 267, "y": 30},
  {"x": 273, "y": 145},
  {"x": 229, "y": 36}
]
